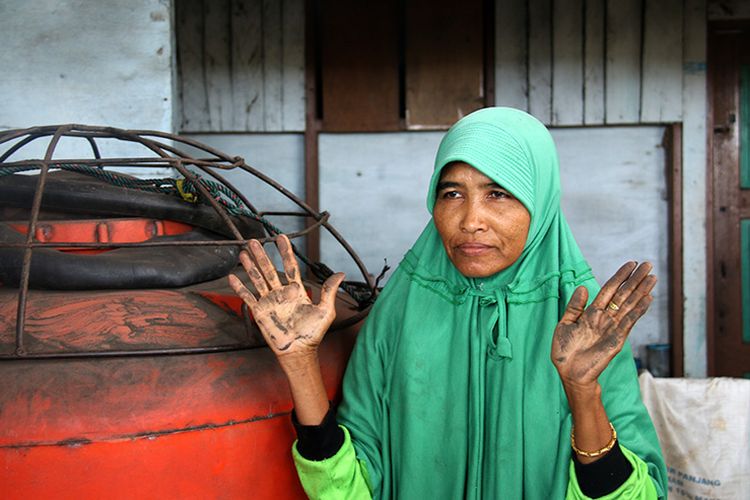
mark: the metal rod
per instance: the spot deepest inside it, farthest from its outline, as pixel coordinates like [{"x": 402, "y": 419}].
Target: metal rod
[
  {"x": 114, "y": 162},
  {"x": 16, "y": 147},
  {"x": 26, "y": 267},
  {"x": 135, "y": 352},
  {"x": 94, "y": 147}
]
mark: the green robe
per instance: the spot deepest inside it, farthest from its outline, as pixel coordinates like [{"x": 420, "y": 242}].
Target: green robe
[{"x": 450, "y": 391}]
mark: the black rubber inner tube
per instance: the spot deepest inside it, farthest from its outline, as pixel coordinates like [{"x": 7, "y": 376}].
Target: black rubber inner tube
[
  {"x": 80, "y": 194},
  {"x": 120, "y": 268}
]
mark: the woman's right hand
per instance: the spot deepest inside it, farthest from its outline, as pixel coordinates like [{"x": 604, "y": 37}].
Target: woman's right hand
[{"x": 291, "y": 324}]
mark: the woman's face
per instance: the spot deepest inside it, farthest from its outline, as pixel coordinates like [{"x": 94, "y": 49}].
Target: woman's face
[{"x": 483, "y": 226}]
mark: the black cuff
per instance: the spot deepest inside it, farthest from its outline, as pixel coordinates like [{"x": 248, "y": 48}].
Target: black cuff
[
  {"x": 318, "y": 442},
  {"x": 605, "y": 475}
]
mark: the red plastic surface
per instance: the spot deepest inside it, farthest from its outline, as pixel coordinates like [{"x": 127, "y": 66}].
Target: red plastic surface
[{"x": 161, "y": 426}]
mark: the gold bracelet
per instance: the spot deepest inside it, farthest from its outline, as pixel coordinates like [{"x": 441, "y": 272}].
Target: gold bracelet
[{"x": 597, "y": 453}]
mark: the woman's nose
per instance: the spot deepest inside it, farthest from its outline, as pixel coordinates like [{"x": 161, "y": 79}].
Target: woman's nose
[{"x": 473, "y": 219}]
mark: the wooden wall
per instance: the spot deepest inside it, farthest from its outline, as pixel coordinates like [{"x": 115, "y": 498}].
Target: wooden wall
[
  {"x": 592, "y": 62},
  {"x": 568, "y": 62},
  {"x": 240, "y": 65}
]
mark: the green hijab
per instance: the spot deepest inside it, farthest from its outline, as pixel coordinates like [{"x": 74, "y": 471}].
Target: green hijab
[{"x": 450, "y": 391}]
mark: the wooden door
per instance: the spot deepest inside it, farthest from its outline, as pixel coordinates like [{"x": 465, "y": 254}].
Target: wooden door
[{"x": 729, "y": 122}]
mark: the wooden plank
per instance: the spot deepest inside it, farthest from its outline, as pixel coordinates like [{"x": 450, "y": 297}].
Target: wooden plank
[
  {"x": 192, "y": 85},
  {"x": 540, "y": 59},
  {"x": 623, "y": 86},
  {"x": 293, "y": 68},
  {"x": 728, "y": 10},
  {"x": 217, "y": 64},
  {"x": 272, "y": 65},
  {"x": 593, "y": 79},
  {"x": 359, "y": 65},
  {"x": 511, "y": 51},
  {"x": 312, "y": 126},
  {"x": 567, "y": 63},
  {"x": 661, "y": 98},
  {"x": 247, "y": 66},
  {"x": 444, "y": 72},
  {"x": 673, "y": 150}
]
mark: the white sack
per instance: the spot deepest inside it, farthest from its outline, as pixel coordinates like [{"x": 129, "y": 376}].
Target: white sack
[{"x": 704, "y": 431}]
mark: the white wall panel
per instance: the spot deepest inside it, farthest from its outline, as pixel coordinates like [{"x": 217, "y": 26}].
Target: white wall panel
[
  {"x": 99, "y": 63},
  {"x": 375, "y": 187},
  {"x": 614, "y": 197},
  {"x": 279, "y": 156}
]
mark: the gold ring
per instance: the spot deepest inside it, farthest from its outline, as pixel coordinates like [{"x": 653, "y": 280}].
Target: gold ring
[{"x": 613, "y": 306}]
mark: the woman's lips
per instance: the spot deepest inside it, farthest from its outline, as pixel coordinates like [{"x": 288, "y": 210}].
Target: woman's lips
[{"x": 473, "y": 249}]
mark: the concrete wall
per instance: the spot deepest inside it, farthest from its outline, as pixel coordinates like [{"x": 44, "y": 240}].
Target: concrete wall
[
  {"x": 614, "y": 197},
  {"x": 279, "y": 156},
  {"x": 107, "y": 62}
]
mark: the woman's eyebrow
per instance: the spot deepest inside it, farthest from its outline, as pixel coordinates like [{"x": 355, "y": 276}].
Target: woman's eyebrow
[{"x": 447, "y": 184}]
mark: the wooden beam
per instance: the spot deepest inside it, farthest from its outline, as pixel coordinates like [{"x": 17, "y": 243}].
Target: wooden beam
[
  {"x": 673, "y": 148},
  {"x": 312, "y": 125}
]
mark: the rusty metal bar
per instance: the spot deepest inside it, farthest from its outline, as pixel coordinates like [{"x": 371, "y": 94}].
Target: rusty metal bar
[
  {"x": 16, "y": 147},
  {"x": 94, "y": 147},
  {"x": 135, "y": 352},
  {"x": 114, "y": 162},
  {"x": 23, "y": 285},
  {"x": 185, "y": 140}
]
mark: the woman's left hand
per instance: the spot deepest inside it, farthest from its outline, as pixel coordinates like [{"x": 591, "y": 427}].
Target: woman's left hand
[{"x": 586, "y": 340}]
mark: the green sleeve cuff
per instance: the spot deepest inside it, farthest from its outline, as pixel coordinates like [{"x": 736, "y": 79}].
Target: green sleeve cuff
[
  {"x": 341, "y": 476},
  {"x": 639, "y": 486}
]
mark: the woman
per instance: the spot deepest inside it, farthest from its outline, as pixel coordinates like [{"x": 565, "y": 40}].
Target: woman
[{"x": 480, "y": 372}]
